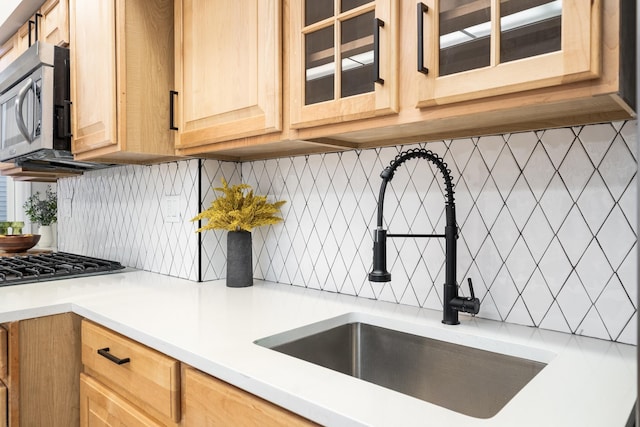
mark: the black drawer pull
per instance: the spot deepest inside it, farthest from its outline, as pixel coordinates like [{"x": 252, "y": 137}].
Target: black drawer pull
[{"x": 105, "y": 353}]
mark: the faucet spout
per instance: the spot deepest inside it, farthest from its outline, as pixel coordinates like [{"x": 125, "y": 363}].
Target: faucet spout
[{"x": 452, "y": 302}]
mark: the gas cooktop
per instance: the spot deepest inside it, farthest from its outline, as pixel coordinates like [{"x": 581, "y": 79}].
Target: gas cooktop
[{"x": 20, "y": 269}]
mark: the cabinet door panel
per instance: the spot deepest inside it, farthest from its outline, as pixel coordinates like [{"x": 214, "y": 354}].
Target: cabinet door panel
[
  {"x": 93, "y": 74},
  {"x": 8, "y": 52},
  {"x": 23, "y": 37},
  {"x": 334, "y": 62},
  {"x": 497, "y": 54},
  {"x": 55, "y": 22},
  {"x": 211, "y": 402},
  {"x": 229, "y": 78},
  {"x": 101, "y": 407}
]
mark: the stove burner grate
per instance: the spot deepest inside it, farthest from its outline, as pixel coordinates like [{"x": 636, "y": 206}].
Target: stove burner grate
[{"x": 43, "y": 267}]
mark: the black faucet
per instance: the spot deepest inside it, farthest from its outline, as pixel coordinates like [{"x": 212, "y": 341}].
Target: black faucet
[{"x": 452, "y": 302}]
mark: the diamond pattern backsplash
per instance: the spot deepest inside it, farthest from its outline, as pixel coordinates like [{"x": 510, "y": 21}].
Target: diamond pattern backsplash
[
  {"x": 137, "y": 215},
  {"x": 547, "y": 224}
]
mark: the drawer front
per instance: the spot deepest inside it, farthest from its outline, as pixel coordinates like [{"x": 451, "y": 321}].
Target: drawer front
[
  {"x": 211, "y": 402},
  {"x": 149, "y": 379},
  {"x": 4, "y": 354}
]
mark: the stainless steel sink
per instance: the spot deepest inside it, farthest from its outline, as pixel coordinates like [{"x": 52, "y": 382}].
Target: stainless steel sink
[{"x": 467, "y": 380}]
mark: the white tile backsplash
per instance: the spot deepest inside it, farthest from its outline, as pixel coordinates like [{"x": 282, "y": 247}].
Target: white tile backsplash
[
  {"x": 547, "y": 224},
  {"x": 117, "y": 214}
]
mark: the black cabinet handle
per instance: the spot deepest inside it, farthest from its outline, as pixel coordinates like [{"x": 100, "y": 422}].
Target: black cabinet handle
[
  {"x": 62, "y": 124},
  {"x": 172, "y": 125},
  {"x": 38, "y": 16},
  {"x": 32, "y": 24},
  {"x": 104, "y": 352},
  {"x": 422, "y": 9},
  {"x": 376, "y": 50},
  {"x": 67, "y": 118}
]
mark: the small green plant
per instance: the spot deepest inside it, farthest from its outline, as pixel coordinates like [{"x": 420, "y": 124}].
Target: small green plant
[
  {"x": 239, "y": 209},
  {"x": 43, "y": 212}
]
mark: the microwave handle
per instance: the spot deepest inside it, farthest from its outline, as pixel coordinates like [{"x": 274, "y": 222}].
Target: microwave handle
[{"x": 22, "y": 127}]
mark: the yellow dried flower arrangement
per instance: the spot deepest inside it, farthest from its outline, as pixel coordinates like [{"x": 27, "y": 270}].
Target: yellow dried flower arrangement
[{"x": 239, "y": 209}]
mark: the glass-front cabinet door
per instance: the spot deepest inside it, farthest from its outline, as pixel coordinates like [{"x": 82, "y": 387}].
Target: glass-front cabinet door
[
  {"x": 343, "y": 56},
  {"x": 470, "y": 49}
]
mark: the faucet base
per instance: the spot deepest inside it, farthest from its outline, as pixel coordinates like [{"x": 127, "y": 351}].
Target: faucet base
[{"x": 379, "y": 276}]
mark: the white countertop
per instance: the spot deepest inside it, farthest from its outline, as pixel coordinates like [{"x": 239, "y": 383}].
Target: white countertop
[{"x": 587, "y": 382}]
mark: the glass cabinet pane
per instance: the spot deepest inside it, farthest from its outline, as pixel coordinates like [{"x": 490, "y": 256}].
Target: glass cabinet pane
[
  {"x": 529, "y": 28},
  {"x": 356, "y": 50},
  {"x": 317, "y": 10},
  {"x": 351, "y": 4},
  {"x": 319, "y": 66},
  {"x": 465, "y": 35},
  {"x": 338, "y": 38}
]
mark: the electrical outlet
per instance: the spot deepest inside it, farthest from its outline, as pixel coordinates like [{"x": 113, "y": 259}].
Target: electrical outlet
[{"x": 171, "y": 209}]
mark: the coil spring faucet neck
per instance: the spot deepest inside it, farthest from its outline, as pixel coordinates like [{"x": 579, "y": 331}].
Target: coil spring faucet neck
[{"x": 452, "y": 302}]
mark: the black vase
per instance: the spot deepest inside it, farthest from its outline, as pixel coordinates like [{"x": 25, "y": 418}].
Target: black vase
[{"x": 239, "y": 259}]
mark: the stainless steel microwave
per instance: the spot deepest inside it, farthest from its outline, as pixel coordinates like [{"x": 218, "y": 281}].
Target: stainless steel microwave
[
  {"x": 35, "y": 115},
  {"x": 35, "y": 101}
]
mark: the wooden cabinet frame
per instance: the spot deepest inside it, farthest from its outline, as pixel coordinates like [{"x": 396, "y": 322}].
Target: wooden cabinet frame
[
  {"x": 121, "y": 74},
  {"x": 224, "y": 93},
  {"x": 383, "y": 100},
  {"x": 579, "y": 59},
  {"x": 44, "y": 366}
]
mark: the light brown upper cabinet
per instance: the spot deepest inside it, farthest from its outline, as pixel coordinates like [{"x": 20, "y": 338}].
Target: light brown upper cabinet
[
  {"x": 26, "y": 35},
  {"x": 49, "y": 24},
  {"x": 121, "y": 74},
  {"x": 8, "y": 52},
  {"x": 472, "y": 49},
  {"x": 343, "y": 60},
  {"x": 228, "y": 74},
  {"x": 477, "y": 67},
  {"x": 54, "y": 27}
]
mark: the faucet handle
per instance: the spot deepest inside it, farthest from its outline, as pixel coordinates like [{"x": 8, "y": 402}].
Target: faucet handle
[
  {"x": 473, "y": 294},
  {"x": 470, "y": 304}
]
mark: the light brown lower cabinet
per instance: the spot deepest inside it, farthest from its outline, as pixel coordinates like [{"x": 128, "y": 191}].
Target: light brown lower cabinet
[
  {"x": 101, "y": 407},
  {"x": 4, "y": 340},
  {"x": 42, "y": 369},
  {"x": 3, "y": 405},
  {"x": 126, "y": 383},
  {"x": 64, "y": 371},
  {"x": 208, "y": 401},
  {"x": 3, "y": 376}
]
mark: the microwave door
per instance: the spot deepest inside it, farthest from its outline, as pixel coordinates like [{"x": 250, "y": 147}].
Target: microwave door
[
  {"x": 22, "y": 116},
  {"x": 27, "y": 118},
  {"x": 11, "y": 135}
]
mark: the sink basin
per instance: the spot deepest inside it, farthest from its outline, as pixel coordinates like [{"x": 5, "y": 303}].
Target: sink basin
[{"x": 469, "y": 380}]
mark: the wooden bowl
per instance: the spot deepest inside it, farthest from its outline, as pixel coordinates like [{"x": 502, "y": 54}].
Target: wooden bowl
[{"x": 18, "y": 243}]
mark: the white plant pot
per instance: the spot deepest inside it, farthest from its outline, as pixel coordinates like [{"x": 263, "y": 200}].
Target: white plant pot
[{"x": 46, "y": 236}]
